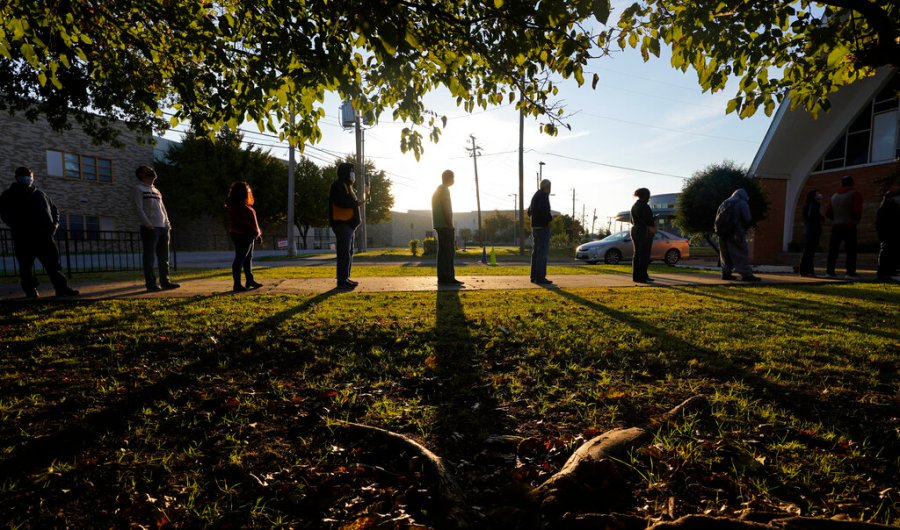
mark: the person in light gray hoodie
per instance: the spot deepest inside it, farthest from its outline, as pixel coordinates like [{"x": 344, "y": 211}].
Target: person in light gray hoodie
[
  {"x": 733, "y": 218},
  {"x": 155, "y": 227}
]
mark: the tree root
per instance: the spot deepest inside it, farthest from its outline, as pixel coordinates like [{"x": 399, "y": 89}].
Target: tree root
[{"x": 455, "y": 513}]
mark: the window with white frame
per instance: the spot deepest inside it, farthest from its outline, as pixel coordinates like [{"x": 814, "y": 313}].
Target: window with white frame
[
  {"x": 76, "y": 166},
  {"x": 874, "y": 136}
]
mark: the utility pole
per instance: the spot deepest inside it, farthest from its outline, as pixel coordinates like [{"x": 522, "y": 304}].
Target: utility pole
[
  {"x": 291, "y": 250},
  {"x": 540, "y": 174},
  {"x": 521, "y": 220},
  {"x": 593, "y": 221},
  {"x": 573, "y": 204},
  {"x": 363, "y": 182},
  {"x": 474, "y": 151},
  {"x": 583, "y": 219}
]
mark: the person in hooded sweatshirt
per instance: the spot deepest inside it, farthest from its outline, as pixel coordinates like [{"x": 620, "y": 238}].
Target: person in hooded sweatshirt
[
  {"x": 845, "y": 212},
  {"x": 733, "y": 250},
  {"x": 344, "y": 217},
  {"x": 33, "y": 219},
  {"x": 887, "y": 225}
]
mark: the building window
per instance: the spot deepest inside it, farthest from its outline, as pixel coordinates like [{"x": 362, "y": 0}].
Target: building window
[
  {"x": 874, "y": 136},
  {"x": 77, "y": 226},
  {"x": 82, "y": 167}
]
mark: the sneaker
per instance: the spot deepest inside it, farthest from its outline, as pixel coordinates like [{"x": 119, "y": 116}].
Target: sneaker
[
  {"x": 453, "y": 282},
  {"x": 729, "y": 276},
  {"x": 751, "y": 278},
  {"x": 238, "y": 288},
  {"x": 544, "y": 281},
  {"x": 66, "y": 292},
  {"x": 345, "y": 285},
  {"x": 32, "y": 293},
  {"x": 169, "y": 285},
  {"x": 253, "y": 285},
  {"x": 351, "y": 282},
  {"x": 153, "y": 288}
]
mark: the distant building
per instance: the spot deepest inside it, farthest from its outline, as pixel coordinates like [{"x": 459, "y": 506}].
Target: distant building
[
  {"x": 92, "y": 185},
  {"x": 663, "y": 207},
  {"x": 859, "y": 136}
]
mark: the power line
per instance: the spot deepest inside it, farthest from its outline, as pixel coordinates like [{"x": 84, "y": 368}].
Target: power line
[
  {"x": 594, "y": 162},
  {"x": 681, "y": 131}
]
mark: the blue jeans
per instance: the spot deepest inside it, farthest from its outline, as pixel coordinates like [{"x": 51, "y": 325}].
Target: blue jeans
[
  {"x": 540, "y": 252},
  {"x": 343, "y": 246},
  {"x": 243, "y": 257},
  {"x": 156, "y": 243}
]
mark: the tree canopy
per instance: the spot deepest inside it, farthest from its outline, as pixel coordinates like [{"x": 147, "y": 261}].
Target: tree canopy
[
  {"x": 223, "y": 62},
  {"x": 702, "y": 194},
  {"x": 800, "y": 48},
  {"x": 197, "y": 173}
]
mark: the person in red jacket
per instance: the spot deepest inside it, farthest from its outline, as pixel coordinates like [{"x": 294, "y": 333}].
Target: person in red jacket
[
  {"x": 845, "y": 212},
  {"x": 244, "y": 230}
]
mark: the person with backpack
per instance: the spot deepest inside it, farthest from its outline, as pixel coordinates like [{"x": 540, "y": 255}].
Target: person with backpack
[
  {"x": 344, "y": 217},
  {"x": 732, "y": 221}
]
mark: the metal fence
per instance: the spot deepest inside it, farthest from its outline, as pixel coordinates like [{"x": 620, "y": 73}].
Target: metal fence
[{"x": 86, "y": 251}]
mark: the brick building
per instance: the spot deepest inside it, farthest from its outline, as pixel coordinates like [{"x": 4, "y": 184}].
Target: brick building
[
  {"x": 860, "y": 136},
  {"x": 91, "y": 185}
]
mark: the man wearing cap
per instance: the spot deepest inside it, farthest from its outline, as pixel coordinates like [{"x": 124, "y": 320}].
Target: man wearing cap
[
  {"x": 155, "y": 229},
  {"x": 33, "y": 218}
]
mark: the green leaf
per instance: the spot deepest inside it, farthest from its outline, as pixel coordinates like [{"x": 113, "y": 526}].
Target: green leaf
[
  {"x": 601, "y": 10},
  {"x": 498, "y": 4},
  {"x": 595, "y": 81}
]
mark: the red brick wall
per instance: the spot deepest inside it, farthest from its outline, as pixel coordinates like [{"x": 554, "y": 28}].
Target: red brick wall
[
  {"x": 866, "y": 182},
  {"x": 765, "y": 247}
]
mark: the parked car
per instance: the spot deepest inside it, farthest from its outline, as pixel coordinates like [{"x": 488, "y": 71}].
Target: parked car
[{"x": 667, "y": 247}]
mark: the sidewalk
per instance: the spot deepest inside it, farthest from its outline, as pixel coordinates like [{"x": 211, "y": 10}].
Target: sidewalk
[{"x": 98, "y": 290}]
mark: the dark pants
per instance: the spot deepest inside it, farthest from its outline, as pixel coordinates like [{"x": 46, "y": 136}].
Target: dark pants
[
  {"x": 888, "y": 259},
  {"x": 811, "y": 237},
  {"x": 642, "y": 241},
  {"x": 735, "y": 255},
  {"x": 343, "y": 246},
  {"x": 540, "y": 252},
  {"x": 446, "y": 249},
  {"x": 42, "y": 248},
  {"x": 243, "y": 257},
  {"x": 156, "y": 244},
  {"x": 846, "y": 235}
]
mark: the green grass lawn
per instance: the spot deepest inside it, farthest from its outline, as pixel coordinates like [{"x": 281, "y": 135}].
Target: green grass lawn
[{"x": 213, "y": 411}]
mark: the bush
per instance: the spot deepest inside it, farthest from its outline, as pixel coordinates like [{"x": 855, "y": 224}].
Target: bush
[
  {"x": 414, "y": 246},
  {"x": 429, "y": 246},
  {"x": 560, "y": 241}
]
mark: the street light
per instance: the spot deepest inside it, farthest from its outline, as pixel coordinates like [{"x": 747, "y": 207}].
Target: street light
[{"x": 540, "y": 174}]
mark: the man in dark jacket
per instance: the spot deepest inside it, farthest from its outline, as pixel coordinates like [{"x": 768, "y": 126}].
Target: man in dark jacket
[
  {"x": 343, "y": 215},
  {"x": 887, "y": 224},
  {"x": 33, "y": 218},
  {"x": 539, "y": 211},
  {"x": 643, "y": 229}
]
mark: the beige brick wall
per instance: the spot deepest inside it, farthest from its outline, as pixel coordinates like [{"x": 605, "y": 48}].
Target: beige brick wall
[{"x": 23, "y": 143}]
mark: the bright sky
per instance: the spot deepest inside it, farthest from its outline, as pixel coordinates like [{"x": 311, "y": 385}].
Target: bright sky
[{"x": 645, "y": 125}]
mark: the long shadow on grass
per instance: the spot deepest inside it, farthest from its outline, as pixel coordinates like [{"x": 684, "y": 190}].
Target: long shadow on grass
[
  {"x": 73, "y": 437},
  {"x": 800, "y": 403},
  {"x": 466, "y": 410},
  {"x": 805, "y": 315}
]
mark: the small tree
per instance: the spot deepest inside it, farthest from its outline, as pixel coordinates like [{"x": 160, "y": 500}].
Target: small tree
[
  {"x": 701, "y": 195},
  {"x": 310, "y": 197},
  {"x": 380, "y": 201}
]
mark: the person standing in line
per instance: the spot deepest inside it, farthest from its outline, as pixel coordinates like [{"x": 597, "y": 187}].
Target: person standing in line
[
  {"x": 643, "y": 229},
  {"x": 442, "y": 222},
  {"x": 812, "y": 231},
  {"x": 33, "y": 219},
  {"x": 540, "y": 214},
  {"x": 845, "y": 212},
  {"x": 344, "y": 217},
  {"x": 243, "y": 228},
  {"x": 155, "y": 229},
  {"x": 887, "y": 225},
  {"x": 733, "y": 218}
]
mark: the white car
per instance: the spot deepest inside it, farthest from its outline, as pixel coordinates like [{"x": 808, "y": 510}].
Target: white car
[{"x": 667, "y": 247}]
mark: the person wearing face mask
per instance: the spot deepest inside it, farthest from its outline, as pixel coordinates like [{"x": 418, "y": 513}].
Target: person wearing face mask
[
  {"x": 33, "y": 219},
  {"x": 343, "y": 216},
  {"x": 887, "y": 225},
  {"x": 812, "y": 231}
]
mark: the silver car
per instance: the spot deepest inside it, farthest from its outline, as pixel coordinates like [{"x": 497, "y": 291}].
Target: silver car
[{"x": 667, "y": 247}]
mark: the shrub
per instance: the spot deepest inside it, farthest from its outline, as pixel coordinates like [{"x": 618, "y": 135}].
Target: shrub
[
  {"x": 429, "y": 246},
  {"x": 414, "y": 246}
]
